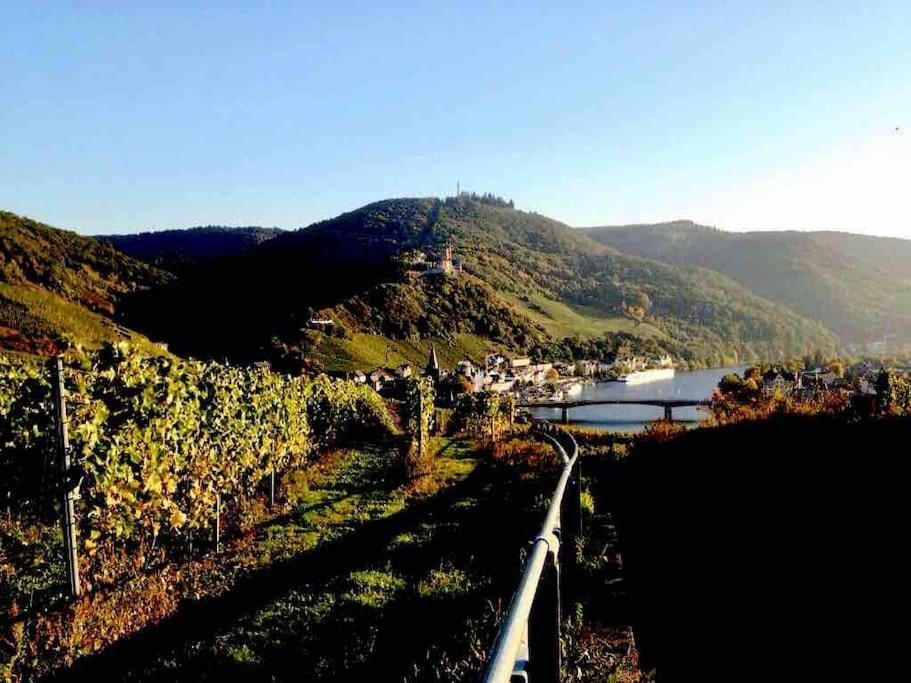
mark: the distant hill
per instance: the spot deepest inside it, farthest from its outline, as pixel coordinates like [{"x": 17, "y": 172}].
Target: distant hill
[
  {"x": 858, "y": 286},
  {"x": 528, "y": 281},
  {"x": 57, "y": 287},
  {"x": 177, "y": 250}
]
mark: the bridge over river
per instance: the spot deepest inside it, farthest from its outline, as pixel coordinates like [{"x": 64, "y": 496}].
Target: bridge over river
[{"x": 667, "y": 403}]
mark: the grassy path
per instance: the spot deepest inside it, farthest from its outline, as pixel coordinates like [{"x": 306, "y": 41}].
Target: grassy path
[{"x": 361, "y": 577}]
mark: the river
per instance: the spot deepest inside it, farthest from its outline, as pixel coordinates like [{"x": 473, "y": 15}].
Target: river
[{"x": 698, "y": 384}]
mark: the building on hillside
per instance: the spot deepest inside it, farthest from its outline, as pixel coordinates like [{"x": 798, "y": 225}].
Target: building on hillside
[
  {"x": 494, "y": 360},
  {"x": 320, "y": 322},
  {"x": 502, "y": 385},
  {"x": 587, "y": 368},
  {"x": 350, "y": 375},
  {"x": 474, "y": 374},
  {"x": 403, "y": 371},
  {"x": 380, "y": 378},
  {"x": 812, "y": 383},
  {"x": 446, "y": 265},
  {"x": 465, "y": 367},
  {"x": 776, "y": 381},
  {"x": 416, "y": 258},
  {"x": 532, "y": 373},
  {"x": 632, "y": 363}
]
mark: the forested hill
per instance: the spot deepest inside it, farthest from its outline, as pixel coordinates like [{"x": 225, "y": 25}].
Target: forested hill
[
  {"x": 178, "y": 250},
  {"x": 57, "y": 287},
  {"x": 75, "y": 267},
  {"x": 857, "y": 286},
  {"x": 527, "y": 280}
]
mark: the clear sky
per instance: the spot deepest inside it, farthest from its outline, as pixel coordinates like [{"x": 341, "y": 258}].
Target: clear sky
[{"x": 745, "y": 115}]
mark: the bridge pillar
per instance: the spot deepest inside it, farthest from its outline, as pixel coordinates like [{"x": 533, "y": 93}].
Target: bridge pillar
[
  {"x": 565, "y": 415},
  {"x": 668, "y": 413}
]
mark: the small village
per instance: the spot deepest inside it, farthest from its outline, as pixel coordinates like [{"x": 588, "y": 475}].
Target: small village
[
  {"x": 540, "y": 380},
  {"x": 519, "y": 375},
  {"x": 858, "y": 379}
]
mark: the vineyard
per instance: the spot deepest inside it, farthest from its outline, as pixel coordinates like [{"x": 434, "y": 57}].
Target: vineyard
[
  {"x": 158, "y": 441},
  {"x": 163, "y": 456}
]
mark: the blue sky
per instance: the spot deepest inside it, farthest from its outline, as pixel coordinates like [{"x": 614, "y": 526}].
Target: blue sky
[{"x": 121, "y": 116}]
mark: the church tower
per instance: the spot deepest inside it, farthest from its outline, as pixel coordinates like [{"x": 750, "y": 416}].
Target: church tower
[{"x": 433, "y": 365}]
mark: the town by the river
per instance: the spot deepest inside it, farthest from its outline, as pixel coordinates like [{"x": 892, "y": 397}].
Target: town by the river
[{"x": 698, "y": 384}]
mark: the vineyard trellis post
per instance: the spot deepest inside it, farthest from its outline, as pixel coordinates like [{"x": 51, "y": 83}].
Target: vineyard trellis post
[
  {"x": 272, "y": 488},
  {"x": 217, "y": 523},
  {"x": 420, "y": 422},
  {"x": 62, "y": 448},
  {"x": 493, "y": 420}
]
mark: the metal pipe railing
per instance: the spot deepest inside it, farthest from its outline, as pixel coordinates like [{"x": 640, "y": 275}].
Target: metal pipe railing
[{"x": 527, "y": 647}]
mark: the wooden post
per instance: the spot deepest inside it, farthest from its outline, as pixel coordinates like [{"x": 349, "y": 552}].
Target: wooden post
[
  {"x": 62, "y": 445},
  {"x": 420, "y": 421},
  {"x": 217, "y": 523}
]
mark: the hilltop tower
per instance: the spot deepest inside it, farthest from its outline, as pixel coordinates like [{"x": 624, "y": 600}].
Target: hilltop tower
[{"x": 446, "y": 261}]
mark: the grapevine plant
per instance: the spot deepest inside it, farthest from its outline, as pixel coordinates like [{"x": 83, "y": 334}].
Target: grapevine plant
[
  {"x": 26, "y": 424},
  {"x": 159, "y": 438},
  {"x": 483, "y": 413},
  {"x": 418, "y": 413}
]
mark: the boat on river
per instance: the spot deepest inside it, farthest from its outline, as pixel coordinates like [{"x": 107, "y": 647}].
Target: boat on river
[
  {"x": 645, "y": 376},
  {"x": 571, "y": 389}
]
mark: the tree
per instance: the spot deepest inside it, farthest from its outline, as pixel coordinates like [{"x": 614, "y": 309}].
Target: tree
[{"x": 730, "y": 383}]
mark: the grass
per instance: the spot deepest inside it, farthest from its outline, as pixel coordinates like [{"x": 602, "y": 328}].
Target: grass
[
  {"x": 368, "y": 351},
  {"x": 566, "y": 320},
  {"x": 373, "y": 588},
  {"x": 51, "y": 315},
  {"x": 445, "y": 582}
]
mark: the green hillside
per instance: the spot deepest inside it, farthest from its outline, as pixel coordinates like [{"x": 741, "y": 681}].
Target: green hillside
[
  {"x": 857, "y": 286},
  {"x": 361, "y": 351},
  {"x": 58, "y": 288},
  {"x": 528, "y": 281},
  {"x": 77, "y": 268}
]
